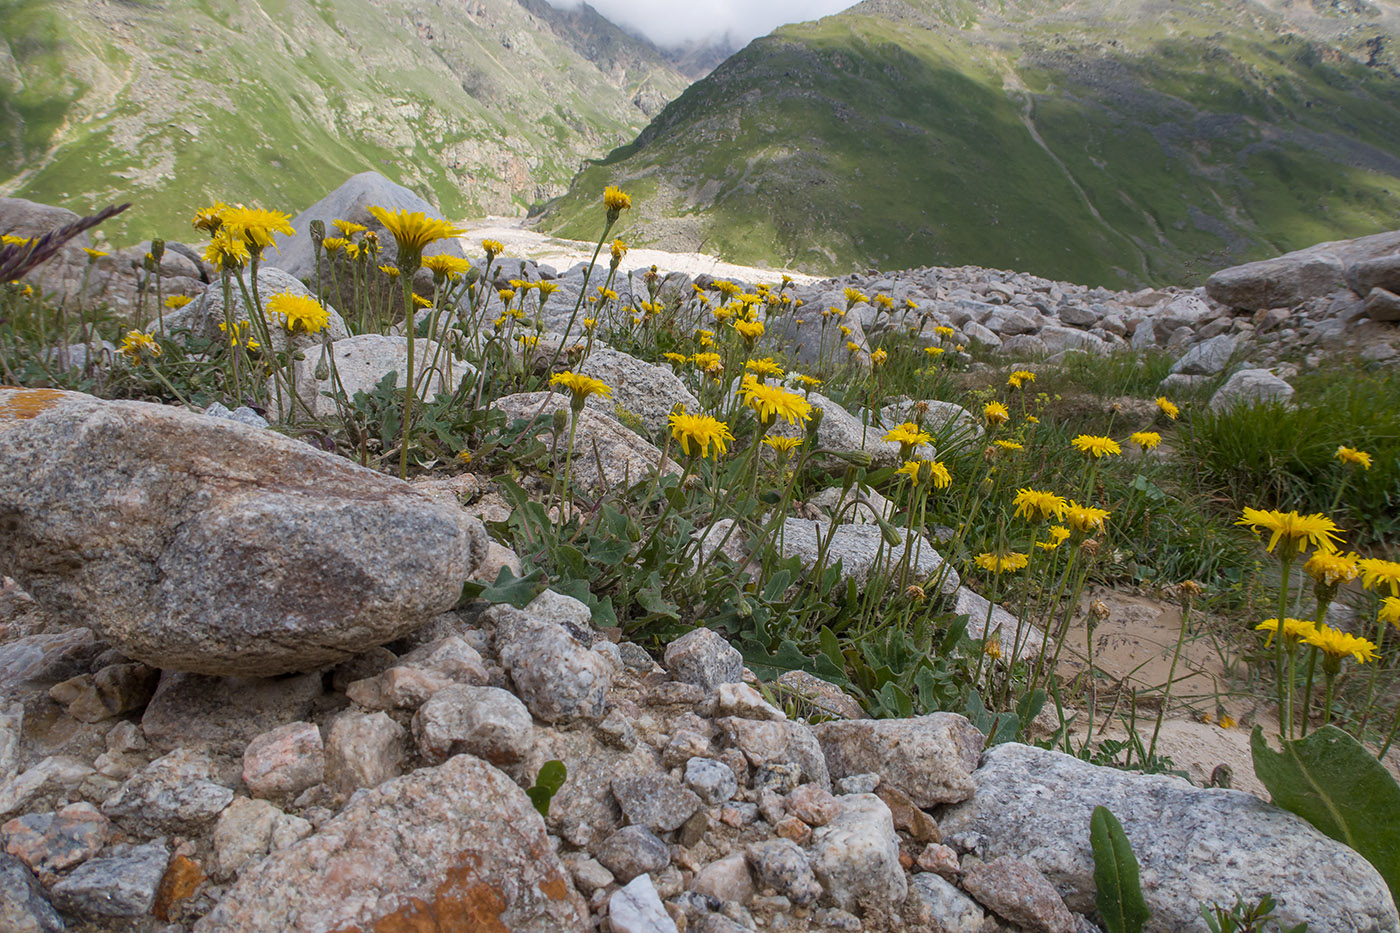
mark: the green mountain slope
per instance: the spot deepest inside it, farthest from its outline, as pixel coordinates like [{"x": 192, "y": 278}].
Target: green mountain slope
[
  {"x": 483, "y": 105},
  {"x": 1118, "y": 143}
]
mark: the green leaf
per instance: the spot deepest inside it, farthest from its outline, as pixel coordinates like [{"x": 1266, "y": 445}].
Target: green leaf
[
  {"x": 516, "y": 591},
  {"x": 551, "y": 777},
  {"x": 1331, "y": 781},
  {"x": 1119, "y": 897}
]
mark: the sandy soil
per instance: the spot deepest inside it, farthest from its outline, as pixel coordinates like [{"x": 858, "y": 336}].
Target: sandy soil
[{"x": 521, "y": 241}]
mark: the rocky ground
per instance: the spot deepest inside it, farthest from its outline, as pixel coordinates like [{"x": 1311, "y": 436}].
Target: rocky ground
[{"x": 238, "y": 690}]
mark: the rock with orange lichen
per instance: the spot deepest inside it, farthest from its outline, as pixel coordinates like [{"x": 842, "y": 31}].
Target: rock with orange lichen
[
  {"x": 200, "y": 544},
  {"x": 457, "y": 847}
]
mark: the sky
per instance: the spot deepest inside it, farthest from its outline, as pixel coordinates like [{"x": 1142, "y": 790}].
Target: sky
[{"x": 672, "y": 22}]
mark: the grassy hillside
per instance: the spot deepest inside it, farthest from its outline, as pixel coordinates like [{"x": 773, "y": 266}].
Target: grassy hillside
[
  {"x": 482, "y": 105},
  {"x": 1118, "y": 144}
]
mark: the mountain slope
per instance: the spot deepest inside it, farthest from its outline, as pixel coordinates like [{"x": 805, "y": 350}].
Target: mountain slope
[
  {"x": 483, "y": 105},
  {"x": 1122, "y": 143}
]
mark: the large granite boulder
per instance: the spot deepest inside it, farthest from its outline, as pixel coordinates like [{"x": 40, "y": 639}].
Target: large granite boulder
[
  {"x": 1287, "y": 280},
  {"x": 202, "y": 544},
  {"x": 456, "y": 847},
  {"x": 1193, "y": 845}
]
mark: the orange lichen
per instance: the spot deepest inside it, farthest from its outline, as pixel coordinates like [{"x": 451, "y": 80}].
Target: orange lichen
[
  {"x": 182, "y": 878},
  {"x": 20, "y": 404}
]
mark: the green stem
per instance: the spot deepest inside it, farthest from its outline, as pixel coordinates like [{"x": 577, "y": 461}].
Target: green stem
[
  {"x": 408, "y": 393},
  {"x": 1171, "y": 675},
  {"x": 1307, "y": 687},
  {"x": 1287, "y": 559}
]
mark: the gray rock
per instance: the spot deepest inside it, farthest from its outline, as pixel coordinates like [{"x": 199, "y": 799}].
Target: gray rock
[
  {"x": 54, "y": 772},
  {"x": 284, "y": 761},
  {"x": 113, "y": 690},
  {"x": 1250, "y": 387},
  {"x": 856, "y": 855},
  {"x": 557, "y": 677},
  {"x": 826, "y": 698},
  {"x": 30, "y": 665},
  {"x": 248, "y": 830},
  {"x": 200, "y": 544},
  {"x": 1382, "y": 305},
  {"x": 703, "y": 657},
  {"x": 841, "y": 431},
  {"x": 1182, "y": 311},
  {"x": 242, "y": 414},
  {"x": 11, "y": 733},
  {"x": 1207, "y": 357},
  {"x": 1145, "y": 335},
  {"x": 657, "y": 801},
  {"x": 120, "y": 884},
  {"x": 174, "y": 793},
  {"x": 1381, "y": 272},
  {"x": 712, "y": 781},
  {"x": 23, "y": 907},
  {"x": 224, "y": 713},
  {"x": 1011, "y": 323},
  {"x": 1278, "y": 283},
  {"x": 361, "y": 363},
  {"x": 930, "y": 758},
  {"x": 563, "y": 610},
  {"x": 53, "y": 842},
  {"x": 1016, "y": 890},
  {"x": 946, "y": 421},
  {"x": 458, "y": 842},
  {"x": 1024, "y": 346},
  {"x": 862, "y": 551},
  {"x": 999, "y": 622},
  {"x": 981, "y": 335},
  {"x": 939, "y": 907},
  {"x": 483, "y": 721},
  {"x": 633, "y": 851},
  {"x": 1178, "y": 384},
  {"x": 1193, "y": 845},
  {"x": 781, "y": 865},
  {"x": 1058, "y": 338},
  {"x": 635, "y": 908},
  {"x": 648, "y": 391},
  {"x": 1077, "y": 316},
  {"x": 203, "y": 316},
  {"x": 777, "y": 743},
  {"x": 363, "y": 750}
]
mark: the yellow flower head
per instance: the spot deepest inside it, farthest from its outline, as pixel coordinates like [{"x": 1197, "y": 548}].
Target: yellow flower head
[
  {"x": 1168, "y": 409},
  {"x": 527, "y": 341},
  {"x": 1377, "y": 573},
  {"x": 934, "y": 351},
  {"x": 908, "y": 436},
  {"x": 1037, "y": 504},
  {"x": 619, "y": 249},
  {"x": 810, "y": 382},
  {"x": 1293, "y": 629},
  {"x": 878, "y": 357},
  {"x": 943, "y": 330},
  {"x": 884, "y": 301},
  {"x": 348, "y": 228},
  {"x": 1332, "y": 568},
  {"x": 412, "y": 231},
  {"x": 93, "y": 254},
  {"x": 749, "y": 330},
  {"x": 1085, "y": 518},
  {"x": 443, "y": 266},
  {"x": 1340, "y": 644},
  {"x": 937, "y": 472},
  {"x": 1147, "y": 440},
  {"x": 854, "y": 296},
  {"x": 507, "y": 295},
  {"x": 211, "y": 218},
  {"x": 1390, "y": 610},
  {"x": 607, "y": 294},
  {"x": 136, "y": 346},
  {"x": 708, "y": 362},
  {"x": 226, "y": 251},
  {"x": 995, "y": 413},
  {"x": 391, "y": 271},
  {"x": 299, "y": 312},
  {"x": 771, "y": 403},
  {"x": 1007, "y": 562},
  {"x": 421, "y": 302},
  {"x": 176, "y": 302},
  {"x": 783, "y": 445},
  {"x": 1019, "y": 378},
  {"x": 1353, "y": 457},
  {"x": 580, "y": 387},
  {"x": 764, "y": 367},
  {"x": 335, "y": 244},
  {"x": 1096, "y": 446},
  {"x": 616, "y": 201},
  {"x": 695, "y": 434},
  {"x": 1009, "y": 445},
  {"x": 679, "y": 359},
  {"x": 1292, "y": 528},
  {"x": 256, "y": 226},
  {"x": 1058, "y": 535},
  {"x": 492, "y": 248}
]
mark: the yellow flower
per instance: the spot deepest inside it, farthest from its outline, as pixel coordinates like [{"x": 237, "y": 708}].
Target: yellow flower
[
  {"x": 878, "y": 357},
  {"x": 412, "y": 231},
  {"x": 1019, "y": 378},
  {"x": 257, "y": 226},
  {"x": 1302, "y": 530},
  {"x": 93, "y": 254},
  {"x": 176, "y": 302},
  {"x": 1037, "y": 504},
  {"x": 348, "y": 228},
  {"x": 1085, "y": 518},
  {"x": 546, "y": 289},
  {"x": 1226, "y": 722},
  {"x": 995, "y": 413},
  {"x": 1390, "y": 610},
  {"x": 391, "y": 271},
  {"x": 1168, "y": 409},
  {"x": 749, "y": 330},
  {"x": 492, "y": 248},
  {"x": 1331, "y": 568},
  {"x": 443, "y": 266},
  {"x": 1293, "y": 629},
  {"x": 421, "y": 302},
  {"x": 1008, "y": 445},
  {"x": 764, "y": 367},
  {"x": 1032, "y": 419},
  {"x": 854, "y": 296},
  {"x": 884, "y": 301},
  {"x": 11, "y": 240},
  {"x": 708, "y": 362},
  {"x": 619, "y": 249},
  {"x": 1058, "y": 535},
  {"x": 695, "y": 434},
  {"x": 299, "y": 312},
  {"x": 810, "y": 382},
  {"x": 211, "y": 218},
  {"x": 1002, "y": 562},
  {"x": 615, "y": 200},
  {"x": 677, "y": 358},
  {"x": 464, "y": 456},
  {"x": 908, "y": 436},
  {"x": 135, "y": 346},
  {"x": 1340, "y": 644},
  {"x": 992, "y": 648},
  {"x": 581, "y": 387},
  {"x": 938, "y": 473},
  {"x": 335, "y": 244},
  {"x": 771, "y": 403},
  {"x": 726, "y": 288},
  {"x": 784, "y": 445},
  {"x": 1353, "y": 457},
  {"x": 607, "y": 294},
  {"x": 1096, "y": 446},
  {"x": 943, "y": 330},
  {"x": 1376, "y": 573},
  {"x": 1147, "y": 440},
  {"x": 226, "y": 252},
  {"x": 527, "y": 341},
  {"x": 506, "y": 295},
  {"x": 934, "y": 351}
]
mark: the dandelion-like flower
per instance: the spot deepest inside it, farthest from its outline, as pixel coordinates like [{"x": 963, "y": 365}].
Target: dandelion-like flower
[
  {"x": 1147, "y": 440},
  {"x": 1293, "y": 629},
  {"x": 908, "y": 436},
  {"x": 879, "y": 357},
  {"x": 335, "y": 244},
  {"x": 391, "y": 271},
  {"x": 1167, "y": 408},
  {"x": 1331, "y": 568},
  {"x": 580, "y": 387},
  {"x": 764, "y": 367},
  {"x": 1339, "y": 644},
  {"x": 934, "y": 351},
  {"x": 995, "y": 413},
  {"x": 1377, "y": 573},
  {"x": 176, "y": 302},
  {"x": 783, "y": 445},
  {"x": 211, "y": 218},
  {"x": 943, "y": 330},
  {"x": 1000, "y": 562},
  {"x": 420, "y": 302},
  {"x": 810, "y": 382},
  {"x": 1038, "y": 504},
  {"x": 680, "y": 359},
  {"x": 1009, "y": 445},
  {"x": 749, "y": 330},
  {"x": 492, "y": 248},
  {"x": 348, "y": 228},
  {"x": 443, "y": 266},
  {"x": 412, "y": 231},
  {"x": 708, "y": 362},
  {"x": 770, "y": 403},
  {"x": 1293, "y": 529},
  {"x": 1058, "y": 535},
  {"x": 1085, "y": 518},
  {"x": 854, "y": 296},
  {"x": 1019, "y": 378},
  {"x": 1096, "y": 446},
  {"x": 299, "y": 312},
  {"x": 1390, "y": 610},
  {"x": 695, "y": 434},
  {"x": 93, "y": 254},
  {"x": 256, "y": 226},
  {"x": 136, "y": 347},
  {"x": 226, "y": 252},
  {"x": 1353, "y": 457},
  {"x": 937, "y": 472},
  {"x": 616, "y": 201},
  {"x": 619, "y": 249}
]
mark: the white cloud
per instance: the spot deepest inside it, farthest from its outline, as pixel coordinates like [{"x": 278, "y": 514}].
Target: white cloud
[{"x": 672, "y": 22}]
